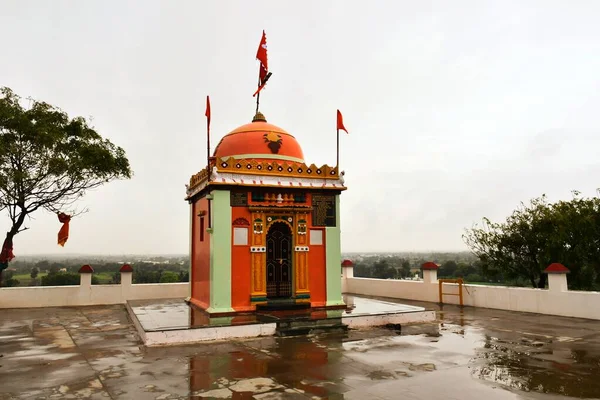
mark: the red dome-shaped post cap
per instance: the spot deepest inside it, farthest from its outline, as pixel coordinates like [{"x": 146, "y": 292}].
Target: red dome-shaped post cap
[
  {"x": 347, "y": 263},
  {"x": 126, "y": 268},
  {"x": 86, "y": 269},
  {"x": 557, "y": 268},
  {"x": 430, "y": 266}
]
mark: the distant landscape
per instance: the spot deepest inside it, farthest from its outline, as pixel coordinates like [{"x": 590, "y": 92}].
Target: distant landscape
[
  {"x": 56, "y": 270},
  {"x": 53, "y": 270},
  {"x": 407, "y": 265}
]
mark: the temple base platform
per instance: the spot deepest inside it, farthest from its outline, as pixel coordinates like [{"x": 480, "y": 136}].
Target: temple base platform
[{"x": 173, "y": 321}]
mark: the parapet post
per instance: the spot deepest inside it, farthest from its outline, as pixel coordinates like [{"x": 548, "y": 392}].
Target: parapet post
[
  {"x": 557, "y": 277},
  {"x": 126, "y": 275},
  {"x": 85, "y": 275},
  {"x": 347, "y": 272},
  {"x": 430, "y": 272},
  {"x": 347, "y": 269},
  {"x": 126, "y": 279}
]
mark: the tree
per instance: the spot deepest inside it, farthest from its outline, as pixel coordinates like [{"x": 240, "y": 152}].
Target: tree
[
  {"x": 34, "y": 272},
  {"x": 382, "y": 270},
  {"x": 539, "y": 234},
  {"x": 448, "y": 269},
  {"x": 405, "y": 268},
  {"x": 48, "y": 161},
  {"x": 169, "y": 277},
  {"x": 362, "y": 271},
  {"x": 9, "y": 281},
  {"x": 64, "y": 279}
]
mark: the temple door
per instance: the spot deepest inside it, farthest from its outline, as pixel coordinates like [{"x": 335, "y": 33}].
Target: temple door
[{"x": 279, "y": 261}]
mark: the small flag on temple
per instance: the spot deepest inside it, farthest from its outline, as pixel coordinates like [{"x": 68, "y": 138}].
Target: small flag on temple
[
  {"x": 63, "y": 233},
  {"x": 340, "y": 122},
  {"x": 263, "y": 72},
  {"x": 261, "y": 55},
  {"x": 207, "y": 113}
]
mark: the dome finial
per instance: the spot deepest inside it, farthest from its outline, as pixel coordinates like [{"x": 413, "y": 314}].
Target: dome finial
[{"x": 259, "y": 117}]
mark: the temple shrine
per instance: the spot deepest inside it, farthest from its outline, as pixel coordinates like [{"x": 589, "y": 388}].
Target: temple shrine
[{"x": 264, "y": 225}]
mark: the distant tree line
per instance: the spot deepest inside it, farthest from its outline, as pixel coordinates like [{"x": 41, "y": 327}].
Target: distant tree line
[
  {"x": 54, "y": 273},
  {"x": 470, "y": 269}
]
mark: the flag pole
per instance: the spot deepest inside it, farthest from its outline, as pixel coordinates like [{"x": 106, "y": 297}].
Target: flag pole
[
  {"x": 337, "y": 161},
  {"x": 207, "y": 138},
  {"x": 208, "y": 154},
  {"x": 258, "y": 94}
]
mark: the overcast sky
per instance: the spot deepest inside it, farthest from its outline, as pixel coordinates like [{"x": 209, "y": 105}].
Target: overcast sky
[{"x": 456, "y": 110}]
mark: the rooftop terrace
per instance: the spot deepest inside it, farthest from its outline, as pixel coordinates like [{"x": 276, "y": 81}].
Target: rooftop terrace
[{"x": 469, "y": 353}]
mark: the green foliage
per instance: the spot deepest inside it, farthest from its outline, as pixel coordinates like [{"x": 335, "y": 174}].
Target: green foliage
[
  {"x": 8, "y": 279},
  {"x": 34, "y": 272},
  {"x": 538, "y": 234},
  {"x": 362, "y": 270},
  {"x": 48, "y": 161},
  {"x": 11, "y": 282},
  {"x": 473, "y": 278},
  {"x": 116, "y": 278},
  {"x": 145, "y": 276},
  {"x": 106, "y": 270},
  {"x": 382, "y": 270},
  {"x": 405, "y": 269},
  {"x": 169, "y": 277},
  {"x": 447, "y": 269},
  {"x": 64, "y": 279}
]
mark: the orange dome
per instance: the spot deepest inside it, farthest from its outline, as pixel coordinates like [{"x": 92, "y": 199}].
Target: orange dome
[{"x": 260, "y": 140}]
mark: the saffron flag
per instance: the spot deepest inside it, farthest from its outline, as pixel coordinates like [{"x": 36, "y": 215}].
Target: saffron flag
[
  {"x": 6, "y": 254},
  {"x": 63, "y": 233},
  {"x": 340, "y": 122},
  {"x": 261, "y": 55},
  {"x": 263, "y": 70},
  {"x": 207, "y": 113}
]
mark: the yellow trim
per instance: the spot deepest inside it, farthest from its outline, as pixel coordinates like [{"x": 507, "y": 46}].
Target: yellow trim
[
  {"x": 254, "y": 167},
  {"x": 269, "y": 224},
  {"x": 280, "y": 186},
  {"x": 266, "y": 156},
  {"x": 259, "y": 260},
  {"x": 282, "y": 132}
]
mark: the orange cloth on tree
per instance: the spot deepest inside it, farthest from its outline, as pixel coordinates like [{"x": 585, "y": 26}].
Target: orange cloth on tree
[
  {"x": 63, "y": 234},
  {"x": 7, "y": 252}
]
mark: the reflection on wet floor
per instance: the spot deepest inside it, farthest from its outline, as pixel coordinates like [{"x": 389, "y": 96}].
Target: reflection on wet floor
[
  {"x": 540, "y": 365},
  {"x": 175, "y": 314},
  {"x": 93, "y": 352}
]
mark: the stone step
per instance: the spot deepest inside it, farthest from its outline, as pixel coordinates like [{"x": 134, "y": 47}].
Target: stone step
[
  {"x": 282, "y": 305},
  {"x": 307, "y": 326}
]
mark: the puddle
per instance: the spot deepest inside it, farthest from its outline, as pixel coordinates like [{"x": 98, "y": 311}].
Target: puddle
[{"x": 539, "y": 366}]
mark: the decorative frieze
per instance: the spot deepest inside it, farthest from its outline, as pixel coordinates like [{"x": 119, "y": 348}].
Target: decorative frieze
[{"x": 268, "y": 173}]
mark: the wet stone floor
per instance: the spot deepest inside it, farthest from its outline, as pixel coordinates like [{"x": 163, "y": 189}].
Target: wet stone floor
[{"x": 94, "y": 352}]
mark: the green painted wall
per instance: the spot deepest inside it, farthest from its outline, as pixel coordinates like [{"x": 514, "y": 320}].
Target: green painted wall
[
  {"x": 333, "y": 260},
  {"x": 220, "y": 253}
]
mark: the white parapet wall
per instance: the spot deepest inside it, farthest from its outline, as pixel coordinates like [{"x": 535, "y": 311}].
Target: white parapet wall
[
  {"x": 556, "y": 300},
  {"x": 86, "y": 294}
]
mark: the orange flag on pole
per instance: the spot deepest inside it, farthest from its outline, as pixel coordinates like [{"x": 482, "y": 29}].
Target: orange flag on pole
[
  {"x": 63, "y": 234},
  {"x": 207, "y": 113},
  {"x": 340, "y": 125},
  {"x": 340, "y": 122},
  {"x": 261, "y": 55},
  {"x": 263, "y": 69}
]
